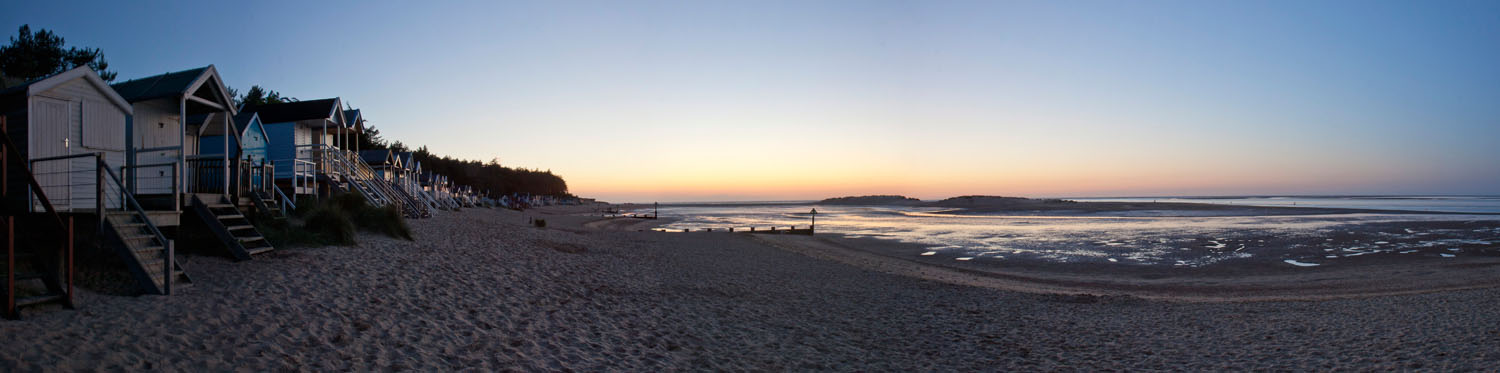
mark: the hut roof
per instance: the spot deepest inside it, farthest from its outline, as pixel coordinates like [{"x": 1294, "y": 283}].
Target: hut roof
[
  {"x": 14, "y": 97},
  {"x": 158, "y": 86},
  {"x": 377, "y": 156},
  {"x": 295, "y": 111}
]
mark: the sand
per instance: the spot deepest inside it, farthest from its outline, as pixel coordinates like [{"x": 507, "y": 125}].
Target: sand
[{"x": 480, "y": 289}]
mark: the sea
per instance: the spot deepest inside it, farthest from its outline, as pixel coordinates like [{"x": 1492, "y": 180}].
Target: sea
[{"x": 1179, "y": 240}]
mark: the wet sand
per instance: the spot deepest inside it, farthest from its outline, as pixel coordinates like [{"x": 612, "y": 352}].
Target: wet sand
[{"x": 481, "y": 289}]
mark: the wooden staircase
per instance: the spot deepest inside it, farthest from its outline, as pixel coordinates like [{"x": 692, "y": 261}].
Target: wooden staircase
[
  {"x": 359, "y": 177},
  {"x": 146, "y": 252},
  {"x": 37, "y": 259},
  {"x": 419, "y": 207},
  {"x": 230, "y": 226},
  {"x": 265, "y": 204}
]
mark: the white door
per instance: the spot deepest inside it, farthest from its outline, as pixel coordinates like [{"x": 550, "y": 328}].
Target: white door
[{"x": 49, "y": 138}]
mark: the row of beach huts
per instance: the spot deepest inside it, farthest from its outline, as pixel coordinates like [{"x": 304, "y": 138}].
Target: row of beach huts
[{"x": 133, "y": 161}]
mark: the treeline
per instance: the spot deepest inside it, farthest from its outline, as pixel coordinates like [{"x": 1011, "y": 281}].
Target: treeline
[{"x": 487, "y": 178}]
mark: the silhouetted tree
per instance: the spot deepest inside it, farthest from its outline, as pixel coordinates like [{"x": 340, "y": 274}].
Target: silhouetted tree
[
  {"x": 398, "y": 147},
  {"x": 35, "y": 55},
  {"x": 371, "y": 139},
  {"x": 260, "y": 96}
]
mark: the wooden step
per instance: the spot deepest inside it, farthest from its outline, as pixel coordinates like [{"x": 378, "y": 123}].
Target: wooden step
[
  {"x": 260, "y": 250},
  {"x": 148, "y": 250},
  {"x": 250, "y": 238},
  {"x": 235, "y": 216},
  {"x": 239, "y": 227},
  {"x": 127, "y": 237},
  {"x": 127, "y": 226}
]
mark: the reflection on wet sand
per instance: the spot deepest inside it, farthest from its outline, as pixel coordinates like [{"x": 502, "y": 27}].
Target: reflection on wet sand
[{"x": 1181, "y": 240}]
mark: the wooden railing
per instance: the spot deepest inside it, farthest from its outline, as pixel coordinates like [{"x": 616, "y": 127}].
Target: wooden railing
[
  {"x": 109, "y": 195},
  {"x": 9, "y": 153},
  {"x": 167, "y": 171},
  {"x": 209, "y": 174}
]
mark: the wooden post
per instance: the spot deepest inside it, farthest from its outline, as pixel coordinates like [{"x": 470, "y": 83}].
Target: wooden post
[
  {"x": 814, "y": 225},
  {"x": 176, "y": 200},
  {"x": 68, "y": 302},
  {"x": 227, "y": 135},
  {"x": 10, "y": 268},
  {"x": 4, "y": 166},
  {"x": 166, "y": 282},
  {"x": 99, "y": 166},
  {"x": 181, "y": 154}
]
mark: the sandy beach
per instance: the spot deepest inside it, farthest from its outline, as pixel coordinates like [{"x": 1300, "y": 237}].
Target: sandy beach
[{"x": 481, "y": 289}]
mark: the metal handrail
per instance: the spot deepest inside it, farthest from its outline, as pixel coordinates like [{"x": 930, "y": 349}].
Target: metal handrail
[
  {"x": 285, "y": 201},
  {"x": 31, "y": 165},
  {"x": 62, "y": 157},
  {"x": 128, "y": 201},
  {"x": 173, "y": 165},
  {"x": 150, "y": 165},
  {"x": 179, "y": 147}
]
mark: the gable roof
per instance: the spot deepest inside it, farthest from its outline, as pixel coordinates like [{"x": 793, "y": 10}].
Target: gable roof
[
  {"x": 378, "y": 156},
  {"x": 48, "y": 82},
  {"x": 174, "y": 84},
  {"x": 158, "y": 86},
  {"x": 402, "y": 159},
  {"x": 296, "y": 110},
  {"x": 356, "y": 121},
  {"x": 244, "y": 121}
]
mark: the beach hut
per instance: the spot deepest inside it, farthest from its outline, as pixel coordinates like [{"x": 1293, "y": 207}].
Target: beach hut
[
  {"x": 355, "y": 126},
  {"x": 301, "y": 135},
  {"x": 312, "y": 147},
  {"x": 249, "y": 142},
  {"x": 169, "y": 170},
  {"x": 60, "y": 137},
  {"x": 65, "y": 125},
  {"x": 256, "y": 179},
  {"x": 172, "y": 112},
  {"x": 410, "y": 168},
  {"x": 382, "y": 162},
  {"x": 389, "y": 171},
  {"x": 410, "y": 180}
]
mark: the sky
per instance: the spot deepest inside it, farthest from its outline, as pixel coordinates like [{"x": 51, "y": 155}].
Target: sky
[{"x": 639, "y": 101}]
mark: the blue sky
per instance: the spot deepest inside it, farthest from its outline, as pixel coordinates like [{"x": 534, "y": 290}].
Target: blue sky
[{"x": 728, "y": 100}]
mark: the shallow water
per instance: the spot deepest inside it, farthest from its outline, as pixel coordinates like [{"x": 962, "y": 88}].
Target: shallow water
[
  {"x": 1176, "y": 241},
  {"x": 1475, "y": 204}
]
